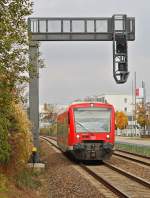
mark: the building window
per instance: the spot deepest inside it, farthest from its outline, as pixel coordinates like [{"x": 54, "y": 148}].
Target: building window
[
  {"x": 125, "y": 100},
  {"x": 130, "y": 118},
  {"x": 125, "y": 109}
]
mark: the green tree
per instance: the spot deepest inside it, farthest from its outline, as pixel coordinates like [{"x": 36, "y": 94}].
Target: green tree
[
  {"x": 14, "y": 65},
  {"x": 50, "y": 113},
  {"x": 4, "y": 145},
  {"x": 14, "y": 41},
  {"x": 142, "y": 118}
]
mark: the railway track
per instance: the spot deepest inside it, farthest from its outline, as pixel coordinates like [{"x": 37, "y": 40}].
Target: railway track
[
  {"x": 123, "y": 151},
  {"x": 121, "y": 183},
  {"x": 133, "y": 157}
]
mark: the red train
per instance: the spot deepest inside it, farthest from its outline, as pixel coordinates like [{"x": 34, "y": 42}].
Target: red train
[{"x": 87, "y": 130}]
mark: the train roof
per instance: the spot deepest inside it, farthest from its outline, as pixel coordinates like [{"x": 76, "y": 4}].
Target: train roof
[
  {"x": 89, "y": 102},
  {"x": 82, "y": 102}
]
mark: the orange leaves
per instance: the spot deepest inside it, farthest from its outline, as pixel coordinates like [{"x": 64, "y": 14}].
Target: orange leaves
[{"x": 121, "y": 120}]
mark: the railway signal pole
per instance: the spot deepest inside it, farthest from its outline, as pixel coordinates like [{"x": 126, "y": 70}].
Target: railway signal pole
[
  {"x": 119, "y": 29},
  {"x": 34, "y": 95}
]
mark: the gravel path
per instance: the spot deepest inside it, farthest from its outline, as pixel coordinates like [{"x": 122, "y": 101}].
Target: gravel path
[{"x": 63, "y": 180}]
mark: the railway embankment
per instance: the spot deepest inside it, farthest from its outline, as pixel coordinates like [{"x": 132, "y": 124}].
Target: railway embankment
[
  {"x": 64, "y": 178},
  {"x": 61, "y": 178}
]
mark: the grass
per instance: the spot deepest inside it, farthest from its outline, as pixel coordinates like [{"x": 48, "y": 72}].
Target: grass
[
  {"x": 28, "y": 179},
  {"x": 24, "y": 184},
  {"x": 3, "y": 183},
  {"x": 137, "y": 138},
  {"x": 134, "y": 148}
]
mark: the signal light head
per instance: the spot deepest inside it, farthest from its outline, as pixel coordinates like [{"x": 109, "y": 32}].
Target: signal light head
[
  {"x": 121, "y": 46},
  {"x": 122, "y": 67}
]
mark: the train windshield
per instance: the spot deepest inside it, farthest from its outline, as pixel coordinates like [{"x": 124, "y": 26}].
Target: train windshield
[{"x": 92, "y": 119}]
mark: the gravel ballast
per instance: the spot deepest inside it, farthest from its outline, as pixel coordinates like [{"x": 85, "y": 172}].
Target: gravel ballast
[
  {"x": 132, "y": 167},
  {"x": 63, "y": 180}
]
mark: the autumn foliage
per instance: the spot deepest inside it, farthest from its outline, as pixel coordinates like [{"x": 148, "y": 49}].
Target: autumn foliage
[
  {"x": 20, "y": 138},
  {"x": 121, "y": 120},
  {"x": 142, "y": 118},
  {"x": 15, "y": 136}
]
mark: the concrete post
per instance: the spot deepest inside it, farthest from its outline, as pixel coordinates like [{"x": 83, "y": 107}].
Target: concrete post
[{"x": 34, "y": 94}]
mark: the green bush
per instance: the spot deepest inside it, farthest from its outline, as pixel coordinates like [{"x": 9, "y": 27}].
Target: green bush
[
  {"x": 51, "y": 130},
  {"x": 3, "y": 183},
  {"x": 20, "y": 138},
  {"x": 4, "y": 145},
  {"x": 27, "y": 178}
]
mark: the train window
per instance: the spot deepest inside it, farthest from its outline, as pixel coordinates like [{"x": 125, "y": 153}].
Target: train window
[{"x": 92, "y": 119}]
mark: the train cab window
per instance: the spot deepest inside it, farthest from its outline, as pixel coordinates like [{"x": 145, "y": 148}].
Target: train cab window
[{"x": 92, "y": 119}]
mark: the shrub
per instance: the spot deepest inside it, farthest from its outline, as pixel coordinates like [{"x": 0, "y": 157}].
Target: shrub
[
  {"x": 4, "y": 145},
  {"x": 3, "y": 183},
  {"x": 20, "y": 137},
  {"x": 51, "y": 130},
  {"x": 27, "y": 178}
]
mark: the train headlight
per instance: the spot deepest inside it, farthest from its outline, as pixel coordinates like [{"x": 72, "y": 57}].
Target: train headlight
[
  {"x": 78, "y": 136},
  {"x": 108, "y": 136}
]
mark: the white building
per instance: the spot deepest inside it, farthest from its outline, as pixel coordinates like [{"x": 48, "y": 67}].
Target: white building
[{"x": 121, "y": 102}]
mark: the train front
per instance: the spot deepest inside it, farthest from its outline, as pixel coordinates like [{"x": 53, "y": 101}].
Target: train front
[{"x": 92, "y": 130}]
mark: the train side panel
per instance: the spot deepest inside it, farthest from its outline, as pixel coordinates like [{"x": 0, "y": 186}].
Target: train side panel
[{"x": 63, "y": 129}]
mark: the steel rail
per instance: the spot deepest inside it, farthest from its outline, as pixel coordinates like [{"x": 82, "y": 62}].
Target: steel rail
[
  {"x": 105, "y": 182},
  {"x": 48, "y": 140},
  {"x": 132, "y": 159},
  {"x": 135, "y": 154},
  {"x": 129, "y": 175}
]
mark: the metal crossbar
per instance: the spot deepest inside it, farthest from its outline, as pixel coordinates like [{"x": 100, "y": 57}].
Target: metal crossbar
[{"x": 67, "y": 29}]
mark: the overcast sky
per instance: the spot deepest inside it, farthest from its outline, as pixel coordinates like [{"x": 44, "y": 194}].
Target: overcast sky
[{"x": 79, "y": 69}]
